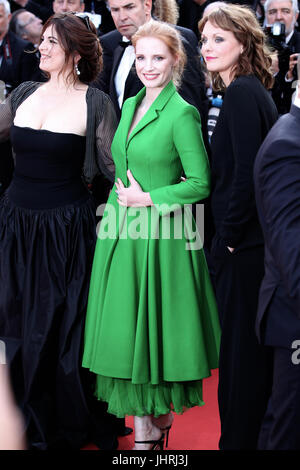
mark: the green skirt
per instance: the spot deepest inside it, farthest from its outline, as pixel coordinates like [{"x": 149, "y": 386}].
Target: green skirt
[
  {"x": 152, "y": 329},
  {"x": 125, "y": 398}
]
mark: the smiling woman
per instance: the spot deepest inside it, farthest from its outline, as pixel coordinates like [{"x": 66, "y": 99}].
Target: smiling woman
[
  {"x": 235, "y": 54},
  {"x": 71, "y": 50},
  {"x": 61, "y": 133},
  {"x": 149, "y": 351},
  {"x": 164, "y": 59}
]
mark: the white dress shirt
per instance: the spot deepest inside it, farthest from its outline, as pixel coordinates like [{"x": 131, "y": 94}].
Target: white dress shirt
[{"x": 125, "y": 65}]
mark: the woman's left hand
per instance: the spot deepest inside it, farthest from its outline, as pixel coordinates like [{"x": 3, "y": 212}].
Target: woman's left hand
[{"x": 133, "y": 196}]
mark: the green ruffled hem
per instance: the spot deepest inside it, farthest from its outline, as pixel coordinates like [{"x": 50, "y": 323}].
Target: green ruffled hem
[{"x": 125, "y": 398}]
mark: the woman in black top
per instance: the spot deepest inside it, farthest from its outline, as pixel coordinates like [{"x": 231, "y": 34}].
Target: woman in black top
[
  {"x": 61, "y": 132},
  {"x": 233, "y": 47}
]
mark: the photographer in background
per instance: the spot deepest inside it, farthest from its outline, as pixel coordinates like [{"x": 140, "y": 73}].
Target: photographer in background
[{"x": 281, "y": 17}]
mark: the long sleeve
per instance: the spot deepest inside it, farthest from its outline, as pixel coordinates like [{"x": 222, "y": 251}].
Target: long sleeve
[
  {"x": 6, "y": 119},
  {"x": 187, "y": 138},
  {"x": 244, "y": 124},
  {"x": 105, "y": 131}
]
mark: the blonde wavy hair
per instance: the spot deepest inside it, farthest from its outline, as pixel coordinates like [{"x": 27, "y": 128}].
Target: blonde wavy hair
[
  {"x": 166, "y": 10},
  {"x": 171, "y": 38},
  {"x": 256, "y": 56}
]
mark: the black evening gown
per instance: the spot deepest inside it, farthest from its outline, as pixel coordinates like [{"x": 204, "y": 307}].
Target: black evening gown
[{"x": 47, "y": 240}]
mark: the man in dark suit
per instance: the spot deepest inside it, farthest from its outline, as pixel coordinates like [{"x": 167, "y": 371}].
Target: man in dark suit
[
  {"x": 285, "y": 12},
  {"x": 277, "y": 186},
  {"x": 190, "y": 12},
  {"x": 119, "y": 78}
]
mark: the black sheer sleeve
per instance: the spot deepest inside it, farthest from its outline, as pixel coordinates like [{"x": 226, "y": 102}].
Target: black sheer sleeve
[{"x": 105, "y": 130}]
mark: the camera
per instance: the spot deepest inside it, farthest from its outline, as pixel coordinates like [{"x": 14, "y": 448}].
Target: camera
[{"x": 276, "y": 40}]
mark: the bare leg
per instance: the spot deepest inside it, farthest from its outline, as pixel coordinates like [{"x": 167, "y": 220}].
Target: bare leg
[
  {"x": 163, "y": 421},
  {"x": 145, "y": 430}
]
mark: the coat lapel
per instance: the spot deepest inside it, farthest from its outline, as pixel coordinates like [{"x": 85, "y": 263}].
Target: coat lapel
[{"x": 153, "y": 111}]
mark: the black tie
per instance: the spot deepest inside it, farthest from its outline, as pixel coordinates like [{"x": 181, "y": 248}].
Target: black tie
[
  {"x": 125, "y": 44},
  {"x": 1, "y": 50}
]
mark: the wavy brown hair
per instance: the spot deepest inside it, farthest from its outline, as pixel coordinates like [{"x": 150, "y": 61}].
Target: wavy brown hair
[
  {"x": 170, "y": 37},
  {"x": 75, "y": 37},
  {"x": 256, "y": 56}
]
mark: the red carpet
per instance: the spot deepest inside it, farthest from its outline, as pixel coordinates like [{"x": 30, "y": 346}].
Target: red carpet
[{"x": 196, "y": 429}]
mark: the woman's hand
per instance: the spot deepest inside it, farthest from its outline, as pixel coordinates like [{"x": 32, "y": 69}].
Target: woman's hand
[
  {"x": 133, "y": 196},
  {"x": 292, "y": 63}
]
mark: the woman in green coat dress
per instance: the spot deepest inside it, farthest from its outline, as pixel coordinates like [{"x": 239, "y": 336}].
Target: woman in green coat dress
[{"x": 152, "y": 331}]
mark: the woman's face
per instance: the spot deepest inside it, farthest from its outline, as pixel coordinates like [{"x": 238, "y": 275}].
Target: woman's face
[
  {"x": 52, "y": 54},
  {"x": 154, "y": 62},
  {"x": 220, "y": 50}
]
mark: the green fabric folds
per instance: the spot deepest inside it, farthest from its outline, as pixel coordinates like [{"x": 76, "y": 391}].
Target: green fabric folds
[{"x": 125, "y": 398}]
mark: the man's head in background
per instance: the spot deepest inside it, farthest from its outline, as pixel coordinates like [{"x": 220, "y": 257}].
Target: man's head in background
[
  {"x": 62, "y": 6},
  {"x": 4, "y": 17},
  {"x": 129, "y": 15},
  {"x": 282, "y": 11},
  {"x": 26, "y": 25}
]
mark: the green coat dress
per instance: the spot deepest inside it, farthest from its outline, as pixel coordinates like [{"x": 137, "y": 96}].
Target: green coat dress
[{"x": 152, "y": 331}]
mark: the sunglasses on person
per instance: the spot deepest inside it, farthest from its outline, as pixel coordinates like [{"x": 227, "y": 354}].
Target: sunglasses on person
[{"x": 85, "y": 18}]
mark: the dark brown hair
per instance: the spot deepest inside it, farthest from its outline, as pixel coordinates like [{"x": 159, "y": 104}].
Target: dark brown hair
[
  {"x": 75, "y": 37},
  {"x": 256, "y": 57}
]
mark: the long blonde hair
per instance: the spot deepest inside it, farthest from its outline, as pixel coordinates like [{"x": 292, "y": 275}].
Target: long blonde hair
[{"x": 256, "y": 56}]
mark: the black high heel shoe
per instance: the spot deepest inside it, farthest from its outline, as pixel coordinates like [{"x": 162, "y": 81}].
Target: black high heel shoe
[
  {"x": 166, "y": 431},
  {"x": 157, "y": 445}
]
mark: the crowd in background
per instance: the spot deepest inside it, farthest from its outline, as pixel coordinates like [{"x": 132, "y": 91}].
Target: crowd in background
[
  {"x": 20, "y": 30},
  {"x": 234, "y": 240}
]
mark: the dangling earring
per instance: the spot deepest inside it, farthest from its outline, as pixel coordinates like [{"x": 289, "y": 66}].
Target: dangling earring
[{"x": 77, "y": 69}]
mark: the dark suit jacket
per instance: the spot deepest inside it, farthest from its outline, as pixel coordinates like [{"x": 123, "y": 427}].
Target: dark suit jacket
[
  {"x": 190, "y": 13},
  {"x": 19, "y": 66},
  {"x": 277, "y": 187},
  {"x": 192, "y": 88}
]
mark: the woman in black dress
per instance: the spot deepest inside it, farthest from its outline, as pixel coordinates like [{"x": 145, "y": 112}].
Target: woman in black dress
[
  {"x": 61, "y": 132},
  {"x": 233, "y": 47}
]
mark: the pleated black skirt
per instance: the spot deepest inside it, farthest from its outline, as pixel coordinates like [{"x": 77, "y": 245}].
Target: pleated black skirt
[{"x": 45, "y": 264}]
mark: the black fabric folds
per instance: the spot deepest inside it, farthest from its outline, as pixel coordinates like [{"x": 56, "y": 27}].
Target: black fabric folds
[{"x": 45, "y": 263}]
